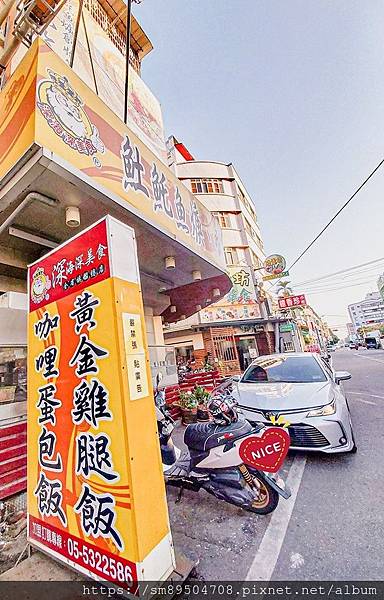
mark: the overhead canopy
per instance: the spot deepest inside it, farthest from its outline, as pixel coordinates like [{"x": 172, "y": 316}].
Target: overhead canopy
[{"x": 101, "y": 168}]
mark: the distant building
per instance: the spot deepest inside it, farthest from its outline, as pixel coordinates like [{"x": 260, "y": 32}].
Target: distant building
[
  {"x": 239, "y": 327},
  {"x": 368, "y": 312},
  {"x": 380, "y": 285},
  {"x": 351, "y": 330},
  {"x": 314, "y": 333}
]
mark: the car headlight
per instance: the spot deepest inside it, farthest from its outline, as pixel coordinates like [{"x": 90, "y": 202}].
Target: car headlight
[{"x": 323, "y": 411}]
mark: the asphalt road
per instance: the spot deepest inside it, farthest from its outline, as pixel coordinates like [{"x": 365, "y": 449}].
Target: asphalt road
[
  {"x": 336, "y": 528},
  {"x": 332, "y": 528}
]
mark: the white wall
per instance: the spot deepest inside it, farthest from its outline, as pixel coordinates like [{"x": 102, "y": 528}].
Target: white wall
[{"x": 186, "y": 338}]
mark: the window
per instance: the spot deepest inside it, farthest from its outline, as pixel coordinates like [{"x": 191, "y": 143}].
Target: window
[
  {"x": 288, "y": 347},
  {"x": 256, "y": 260},
  {"x": 249, "y": 229},
  {"x": 13, "y": 375},
  {"x": 285, "y": 370},
  {"x": 227, "y": 220},
  {"x": 207, "y": 186},
  {"x": 230, "y": 256},
  {"x": 234, "y": 256},
  {"x": 247, "y": 203}
]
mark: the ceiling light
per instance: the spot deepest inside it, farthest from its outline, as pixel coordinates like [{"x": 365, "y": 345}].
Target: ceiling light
[
  {"x": 72, "y": 216},
  {"x": 170, "y": 262}
]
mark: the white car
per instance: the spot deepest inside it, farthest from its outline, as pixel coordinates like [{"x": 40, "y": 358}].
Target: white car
[{"x": 304, "y": 389}]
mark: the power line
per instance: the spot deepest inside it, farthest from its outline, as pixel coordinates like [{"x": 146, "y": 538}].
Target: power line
[
  {"x": 372, "y": 272},
  {"x": 336, "y": 285},
  {"x": 335, "y": 289},
  {"x": 326, "y": 285},
  {"x": 371, "y": 262},
  {"x": 333, "y": 218}
]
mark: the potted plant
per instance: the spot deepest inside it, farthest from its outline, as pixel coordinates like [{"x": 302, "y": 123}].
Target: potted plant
[
  {"x": 188, "y": 406},
  {"x": 202, "y": 397}
]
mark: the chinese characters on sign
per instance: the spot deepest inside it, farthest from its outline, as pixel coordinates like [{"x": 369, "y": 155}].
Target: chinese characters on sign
[
  {"x": 239, "y": 303},
  {"x": 292, "y": 301},
  {"x": 275, "y": 265},
  {"x": 84, "y": 398},
  {"x": 70, "y": 268},
  {"x": 88, "y": 358},
  {"x": 135, "y": 355},
  {"x": 166, "y": 197},
  {"x": 90, "y": 405}
]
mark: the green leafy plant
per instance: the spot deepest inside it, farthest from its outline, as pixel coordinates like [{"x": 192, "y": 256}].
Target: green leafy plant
[
  {"x": 208, "y": 367},
  {"x": 187, "y": 400},
  {"x": 201, "y": 395}
]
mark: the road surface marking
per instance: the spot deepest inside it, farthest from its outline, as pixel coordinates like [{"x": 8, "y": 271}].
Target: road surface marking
[
  {"x": 366, "y": 401},
  {"x": 268, "y": 552},
  {"x": 365, "y": 394},
  {"x": 369, "y": 358}
]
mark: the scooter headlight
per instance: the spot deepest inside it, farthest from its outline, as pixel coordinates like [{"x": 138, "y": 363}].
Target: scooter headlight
[{"x": 323, "y": 411}]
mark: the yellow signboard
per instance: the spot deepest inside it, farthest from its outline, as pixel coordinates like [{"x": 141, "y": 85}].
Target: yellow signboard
[
  {"x": 62, "y": 115},
  {"x": 96, "y": 496},
  {"x": 17, "y": 113}
]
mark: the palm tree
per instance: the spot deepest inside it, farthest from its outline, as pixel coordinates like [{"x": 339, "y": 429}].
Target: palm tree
[{"x": 284, "y": 289}]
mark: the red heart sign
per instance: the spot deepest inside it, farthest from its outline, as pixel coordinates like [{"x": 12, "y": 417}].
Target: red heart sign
[{"x": 267, "y": 452}]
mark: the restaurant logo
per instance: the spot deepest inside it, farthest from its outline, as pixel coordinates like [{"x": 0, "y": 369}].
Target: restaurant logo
[
  {"x": 63, "y": 109},
  {"x": 275, "y": 266},
  {"x": 40, "y": 284}
]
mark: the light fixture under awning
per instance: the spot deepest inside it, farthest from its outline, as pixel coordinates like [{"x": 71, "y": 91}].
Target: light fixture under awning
[{"x": 186, "y": 297}]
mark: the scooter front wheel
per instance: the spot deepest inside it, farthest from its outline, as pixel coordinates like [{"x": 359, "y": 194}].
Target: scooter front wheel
[{"x": 267, "y": 500}]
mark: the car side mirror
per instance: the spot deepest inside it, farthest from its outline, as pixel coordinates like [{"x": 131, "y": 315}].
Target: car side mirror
[
  {"x": 235, "y": 378},
  {"x": 342, "y": 376}
]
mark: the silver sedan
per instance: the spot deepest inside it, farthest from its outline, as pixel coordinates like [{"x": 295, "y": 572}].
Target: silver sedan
[{"x": 304, "y": 390}]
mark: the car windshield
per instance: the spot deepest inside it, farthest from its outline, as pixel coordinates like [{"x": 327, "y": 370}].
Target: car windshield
[{"x": 281, "y": 369}]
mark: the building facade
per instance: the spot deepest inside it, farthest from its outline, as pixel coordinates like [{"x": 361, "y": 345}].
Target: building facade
[
  {"x": 368, "y": 312},
  {"x": 310, "y": 334},
  {"x": 73, "y": 150},
  {"x": 380, "y": 286},
  {"x": 240, "y": 326}
]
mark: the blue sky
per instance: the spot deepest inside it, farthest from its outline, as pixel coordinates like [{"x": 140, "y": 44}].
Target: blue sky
[{"x": 291, "y": 92}]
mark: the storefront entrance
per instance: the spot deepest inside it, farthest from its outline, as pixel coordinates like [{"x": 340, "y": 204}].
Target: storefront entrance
[{"x": 246, "y": 349}]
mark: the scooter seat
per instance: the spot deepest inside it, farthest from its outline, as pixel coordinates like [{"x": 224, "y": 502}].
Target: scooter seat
[{"x": 204, "y": 436}]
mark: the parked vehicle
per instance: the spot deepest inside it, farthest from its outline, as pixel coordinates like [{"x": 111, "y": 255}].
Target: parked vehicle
[
  {"x": 353, "y": 345},
  {"x": 306, "y": 391},
  {"x": 373, "y": 340},
  {"x": 212, "y": 461}
]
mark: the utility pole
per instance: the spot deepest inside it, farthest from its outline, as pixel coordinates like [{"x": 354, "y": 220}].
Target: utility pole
[{"x": 128, "y": 48}]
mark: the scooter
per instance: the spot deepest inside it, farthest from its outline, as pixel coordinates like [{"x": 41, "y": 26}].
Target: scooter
[{"x": 212, "y": 461}]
